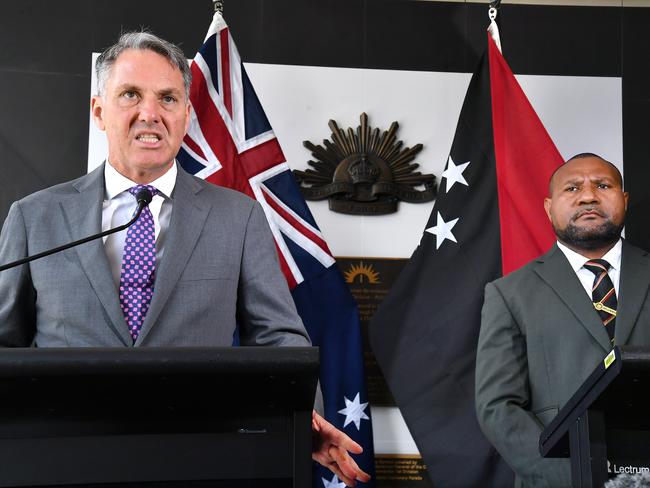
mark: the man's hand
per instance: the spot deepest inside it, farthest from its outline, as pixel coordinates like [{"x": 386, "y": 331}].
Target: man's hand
[{"x": 331, "y": 448}]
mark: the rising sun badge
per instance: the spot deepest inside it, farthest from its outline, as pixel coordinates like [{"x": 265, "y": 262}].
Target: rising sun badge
[{"x": 365, "y": 172}]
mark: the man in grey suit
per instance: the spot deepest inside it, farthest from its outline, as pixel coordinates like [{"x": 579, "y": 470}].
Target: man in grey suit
[
  {"x": 542, "y": 331},
  {"x": 211, "y": 262}
]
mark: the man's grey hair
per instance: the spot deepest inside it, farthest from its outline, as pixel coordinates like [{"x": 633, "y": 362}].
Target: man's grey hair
[{"x": 141, "y": 41}]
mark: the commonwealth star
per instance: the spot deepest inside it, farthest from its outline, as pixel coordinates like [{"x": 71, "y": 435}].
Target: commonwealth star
[{"x": 354, "y": 412}]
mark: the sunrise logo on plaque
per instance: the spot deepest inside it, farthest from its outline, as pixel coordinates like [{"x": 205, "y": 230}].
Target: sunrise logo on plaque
[{"x": 361, "y": 273}]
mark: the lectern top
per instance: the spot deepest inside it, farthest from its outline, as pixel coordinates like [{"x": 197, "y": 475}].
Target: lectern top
[
  {"x": 156, "y": 379},
  {"x": 20, "y": 362},
  {"x": 617, "y": 386}
]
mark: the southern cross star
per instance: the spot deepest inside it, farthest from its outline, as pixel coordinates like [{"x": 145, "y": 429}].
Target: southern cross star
[
  {"x": 442, "y": 230},
  {"x": 454, "y": 174},
  {"x": 335, "y": 483}
]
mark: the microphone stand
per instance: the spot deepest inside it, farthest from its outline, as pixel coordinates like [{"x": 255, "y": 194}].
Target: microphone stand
[{"x": 143, "y": 198}]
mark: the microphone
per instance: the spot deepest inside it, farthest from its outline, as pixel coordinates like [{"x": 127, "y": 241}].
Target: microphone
[{"x": 143, "y": 198}]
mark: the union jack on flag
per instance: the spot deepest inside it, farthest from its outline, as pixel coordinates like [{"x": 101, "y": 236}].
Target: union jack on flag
[{"x": 230, "y": 143}]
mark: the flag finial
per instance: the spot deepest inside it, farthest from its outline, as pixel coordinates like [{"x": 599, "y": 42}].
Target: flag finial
[
  {"x": 218, "y": 6},
  {"x": 493, "y": 28}
]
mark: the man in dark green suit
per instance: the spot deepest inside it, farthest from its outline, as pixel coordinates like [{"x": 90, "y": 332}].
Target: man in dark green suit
[{"x": 541, "y": 333}]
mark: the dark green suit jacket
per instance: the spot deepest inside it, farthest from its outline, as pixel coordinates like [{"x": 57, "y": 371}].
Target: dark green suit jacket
[{"x": 540, "y": 338}]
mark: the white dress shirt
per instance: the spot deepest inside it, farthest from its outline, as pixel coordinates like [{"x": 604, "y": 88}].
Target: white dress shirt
[
  {"x": 586, "y": 277},
  {"x": 118, "y": 208}
]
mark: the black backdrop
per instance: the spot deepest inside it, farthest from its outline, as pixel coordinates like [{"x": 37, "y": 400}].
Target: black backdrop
[{"x": 45, "y": 49}]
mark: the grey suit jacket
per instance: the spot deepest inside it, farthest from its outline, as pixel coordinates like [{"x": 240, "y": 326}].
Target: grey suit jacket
[
  {"x": 220, "y": 268},
  {"x": 540, "y": 338}
]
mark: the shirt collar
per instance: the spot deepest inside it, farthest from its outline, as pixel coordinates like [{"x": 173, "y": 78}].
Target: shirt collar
[
  {"x": 577, "y": 260},
  {"x": 117, "y": 183}
]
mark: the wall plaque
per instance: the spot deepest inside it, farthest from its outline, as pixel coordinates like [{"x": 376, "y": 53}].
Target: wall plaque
[
  {"x": 369, "y": 280},
  {"x": 401, "y": 471}
]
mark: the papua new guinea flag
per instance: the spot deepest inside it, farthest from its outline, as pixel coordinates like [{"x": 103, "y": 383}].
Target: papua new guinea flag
[{"x": 487, "y": 221}]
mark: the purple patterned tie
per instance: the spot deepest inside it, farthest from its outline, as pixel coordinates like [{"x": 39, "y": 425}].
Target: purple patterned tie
[{"x": 138, "y": 267}]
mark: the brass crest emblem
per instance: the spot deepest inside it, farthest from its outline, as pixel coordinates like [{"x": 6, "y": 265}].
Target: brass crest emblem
[{"x": 364, "y": 172}]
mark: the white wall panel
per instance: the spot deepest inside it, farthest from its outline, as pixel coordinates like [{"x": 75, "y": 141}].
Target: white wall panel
[{"x": 580, "y": 113}]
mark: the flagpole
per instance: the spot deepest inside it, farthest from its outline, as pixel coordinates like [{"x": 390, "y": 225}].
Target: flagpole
[
  {"x": 493, "y": 28},
  {"x": 218, "y": 6}
]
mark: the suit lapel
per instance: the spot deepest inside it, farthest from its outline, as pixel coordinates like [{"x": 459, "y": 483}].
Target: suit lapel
[
  {"x": 83, "y": 215},
  {"x": 187, "y": 220},
  {"x": 555, "y": 270},
  {"x": 633, "y": 287}
]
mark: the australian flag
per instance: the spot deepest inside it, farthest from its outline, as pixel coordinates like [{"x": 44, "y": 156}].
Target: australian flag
[{"x": 230, "y": 143}]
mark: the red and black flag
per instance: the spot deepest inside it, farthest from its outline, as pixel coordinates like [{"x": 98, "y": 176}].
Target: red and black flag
[{"x": 487, "y": 221}]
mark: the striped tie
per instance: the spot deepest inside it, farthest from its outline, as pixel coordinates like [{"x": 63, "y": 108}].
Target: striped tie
[{"x": 603, "y": 294}]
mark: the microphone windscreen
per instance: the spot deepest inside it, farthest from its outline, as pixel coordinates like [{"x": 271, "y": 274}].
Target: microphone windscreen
[{"x": 144, "y": 197}]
